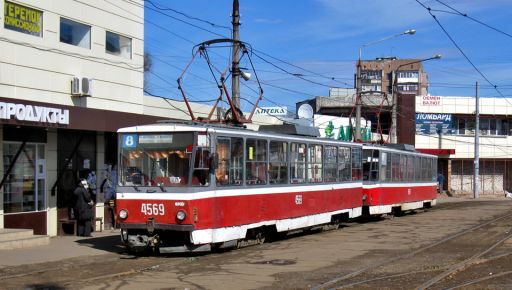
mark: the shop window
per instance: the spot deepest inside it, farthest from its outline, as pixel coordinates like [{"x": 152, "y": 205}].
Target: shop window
[
  {"x": 75, "y": 33},
  {"x": 118, "y": 45},
  {"x": 256, "y": 162},
  {"x": 24, "y": 188},
  {"x": 278, "y": 166}
]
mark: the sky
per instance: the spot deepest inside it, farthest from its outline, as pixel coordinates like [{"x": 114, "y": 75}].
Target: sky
[{"x": 301, "y": 48}]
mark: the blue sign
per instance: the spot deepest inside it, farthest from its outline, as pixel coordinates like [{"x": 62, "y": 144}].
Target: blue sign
[
  {"x": 130, "y": 141},
  {"x": 432, "y": 123}
]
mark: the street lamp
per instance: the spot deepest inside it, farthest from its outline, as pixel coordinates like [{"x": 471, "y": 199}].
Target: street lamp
[
  {"x": 358, "y": 78},
  {"x": 392, "y": 132}
]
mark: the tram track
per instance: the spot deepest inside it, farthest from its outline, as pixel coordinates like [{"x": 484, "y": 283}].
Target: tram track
[{"x": 335, "y": 283}]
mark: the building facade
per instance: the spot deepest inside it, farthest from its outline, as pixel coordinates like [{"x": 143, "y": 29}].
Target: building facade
[{"x": 445, "y": 125}]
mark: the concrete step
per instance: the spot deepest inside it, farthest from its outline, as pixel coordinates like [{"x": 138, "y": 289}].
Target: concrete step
[
  {"x": 21, "y": 238},
  {"x": 13, "y": 234}
]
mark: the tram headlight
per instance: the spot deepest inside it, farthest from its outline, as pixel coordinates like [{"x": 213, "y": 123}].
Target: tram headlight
[
  {"x": 181, "y": 215},
  {"x": 123, "y": 213}
]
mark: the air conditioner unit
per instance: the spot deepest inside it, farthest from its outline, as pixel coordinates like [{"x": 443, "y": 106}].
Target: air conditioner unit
[
  {"x": 75, "y": 86},
  {"x": 86, "y": 87}
]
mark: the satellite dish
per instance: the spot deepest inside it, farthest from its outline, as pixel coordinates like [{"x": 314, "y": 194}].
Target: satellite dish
[{"x": 305, "y": 111}]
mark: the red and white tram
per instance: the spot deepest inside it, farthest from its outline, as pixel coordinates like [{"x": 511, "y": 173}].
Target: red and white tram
[
  {"x": 397, "y": 179},
  {"x": 196, "y": 187},
  {"x": 189, "y": 187}
]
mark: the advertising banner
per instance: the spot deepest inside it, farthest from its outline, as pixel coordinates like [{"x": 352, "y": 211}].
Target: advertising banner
[
  {"x": 23, "y": 19},
  {"x": 433, "y": 123}
]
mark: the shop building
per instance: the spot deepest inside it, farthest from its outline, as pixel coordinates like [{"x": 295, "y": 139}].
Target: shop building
[
  {"x": 445, "y": 125},
  {"x": 71, "y": 74}
]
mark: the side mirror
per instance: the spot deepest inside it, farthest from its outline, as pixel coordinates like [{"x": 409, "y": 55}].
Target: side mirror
[{"x": 214, "y": 161}]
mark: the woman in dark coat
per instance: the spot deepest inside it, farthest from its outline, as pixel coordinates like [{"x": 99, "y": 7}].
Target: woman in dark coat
[{"x": 83, "y": 209}]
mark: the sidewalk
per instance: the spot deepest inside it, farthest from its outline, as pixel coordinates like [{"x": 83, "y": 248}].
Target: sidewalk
[{"x": 64, "y": 247}]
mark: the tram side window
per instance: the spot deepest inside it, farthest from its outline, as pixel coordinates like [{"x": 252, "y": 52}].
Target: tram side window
[
  {"x": 374, "y": 168},
  {"x": 388, "y": 167},
  {"x": 256, "y": 162},
  {"x": 434, "y": 170},
  {"x": 417, "y": 168},
  {"x": 344, "y": 168},
  {"x": 403, "y": 167},
  {"x": 330, "y": 165},
  {"x": 356, "y": 164},
  {"x": 278, "y": 167},
  {"x": 410, "y": 168},
  {"x": 314, "y": 163},
  {"x": 230, "y": 152},
  {"x": 424, "y": 169},
  {"x": 201, "y": 173},
  {"x": 395, "y": 166},
  {"x": 383, "y": 166},
  {"x": 297, "y": 163},
  {"x": 367, "y": 159}
]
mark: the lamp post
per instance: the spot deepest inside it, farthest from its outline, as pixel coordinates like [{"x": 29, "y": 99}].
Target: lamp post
[
  {"x": 393, "y": 132},
  {"x": 358, "y": 78}
]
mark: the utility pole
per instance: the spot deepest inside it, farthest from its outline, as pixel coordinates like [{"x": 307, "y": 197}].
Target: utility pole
[
  {"x": 235, "y": 68},
  {"x": 357, "y": 135},
  {"x": 476, "y": 178}
]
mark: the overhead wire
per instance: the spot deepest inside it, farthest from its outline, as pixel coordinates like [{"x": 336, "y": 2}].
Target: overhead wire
[
  {"x": 459, "y": 48},
  {"x": 457, "y": 12}
]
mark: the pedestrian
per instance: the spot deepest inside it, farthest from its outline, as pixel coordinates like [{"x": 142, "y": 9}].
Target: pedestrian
[
  {"x": 83, "y": 208},
  {"x": 440, "y": 182}
]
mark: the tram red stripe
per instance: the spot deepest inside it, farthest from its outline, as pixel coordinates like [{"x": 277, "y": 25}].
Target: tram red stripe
[
  {"x": 397, "y": 195},
  {"x": 219, "y": 212}
]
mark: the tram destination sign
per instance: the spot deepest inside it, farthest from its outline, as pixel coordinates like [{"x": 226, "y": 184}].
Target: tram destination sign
[{"x": 433, "y": 123}]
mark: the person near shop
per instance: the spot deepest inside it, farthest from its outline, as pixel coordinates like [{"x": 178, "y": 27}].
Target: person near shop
[
  {"x": 109, "y": 192},
  {"x": 83, "y": 208},
  {"x": 440, "y": 182}
]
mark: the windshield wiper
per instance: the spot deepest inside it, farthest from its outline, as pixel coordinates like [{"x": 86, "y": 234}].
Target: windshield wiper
[
  {"x": 162, "y": 188},
  {"x": 136, "y": 188}
]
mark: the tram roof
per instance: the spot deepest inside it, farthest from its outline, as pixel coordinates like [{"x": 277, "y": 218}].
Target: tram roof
[
  {"x": 216, "y": 128},
  {"x": 397, "y": 148}
]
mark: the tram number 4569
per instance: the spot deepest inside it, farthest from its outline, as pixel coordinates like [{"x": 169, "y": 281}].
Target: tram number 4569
[{"x": 152, "y": 209}]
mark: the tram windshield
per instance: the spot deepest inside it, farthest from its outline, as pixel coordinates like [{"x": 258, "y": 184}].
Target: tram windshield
[{"x": 156, "y": 159}]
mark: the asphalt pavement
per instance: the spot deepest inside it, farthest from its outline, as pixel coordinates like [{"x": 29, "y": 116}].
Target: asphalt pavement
[
  {"x": 107, "y": 241},
  {"x": 64, "y": 247}
]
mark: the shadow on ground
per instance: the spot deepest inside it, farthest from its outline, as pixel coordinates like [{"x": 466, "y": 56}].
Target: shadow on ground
[{"x": 111, "y": 243}]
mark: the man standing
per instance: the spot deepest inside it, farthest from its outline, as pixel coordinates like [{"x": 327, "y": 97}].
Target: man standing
[{"x": 83, "y": 208}]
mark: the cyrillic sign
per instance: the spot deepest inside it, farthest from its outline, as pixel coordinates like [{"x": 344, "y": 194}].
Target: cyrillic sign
[
  {"x": 273, "y": 111},
  {"x": 431, "y": 123},
  {"x": 23, "y": 19},
  {"x": 431, "y": 101},
  {"x": 31, "y": 113}
]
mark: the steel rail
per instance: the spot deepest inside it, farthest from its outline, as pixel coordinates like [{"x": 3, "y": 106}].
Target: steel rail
[{"x": 407, "y": 255}]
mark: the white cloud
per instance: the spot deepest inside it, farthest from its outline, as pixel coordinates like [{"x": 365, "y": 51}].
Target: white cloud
[{"x": 268, "y": 21}]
